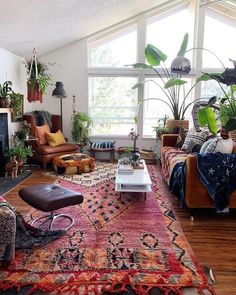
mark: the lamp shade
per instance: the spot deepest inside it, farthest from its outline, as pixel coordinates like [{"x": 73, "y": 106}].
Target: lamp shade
[
  {"x": 181, "y": 65},
  {"x": 59, "y": 91}
]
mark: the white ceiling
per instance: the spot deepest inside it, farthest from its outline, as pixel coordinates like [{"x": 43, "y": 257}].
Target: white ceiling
[{"x": 51, "y": 24}]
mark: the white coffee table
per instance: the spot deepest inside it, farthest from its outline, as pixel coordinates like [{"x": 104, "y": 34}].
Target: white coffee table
[{"x": 139, "y": 181}]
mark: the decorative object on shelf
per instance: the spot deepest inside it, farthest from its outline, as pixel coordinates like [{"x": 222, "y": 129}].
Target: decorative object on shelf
[
  {"x": 60, "y": 93},
  {"x": 5, "y": 91},
  {"x": 38, "y": 78},
  {"x": 80, "y": 127},
  {"x": 22, "y": 134}
]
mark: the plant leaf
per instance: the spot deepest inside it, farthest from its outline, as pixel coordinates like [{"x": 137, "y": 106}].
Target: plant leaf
[
  {"x": 137, "y": 85},
  {"x": 183, "y": 46},
  {"x": 173, "y": 82},
  {"x": 206, "y": 116},
  {"x": 212, "y": 101},
  {"x": 231, "y": 125},
  {"x": 140, "y": 65},
  {"x": 223, "y": 99},
  {"x": 154, "y": 55}
]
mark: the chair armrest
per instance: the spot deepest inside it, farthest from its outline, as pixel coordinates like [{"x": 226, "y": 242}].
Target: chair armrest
[{"x": 169, "y": 139}]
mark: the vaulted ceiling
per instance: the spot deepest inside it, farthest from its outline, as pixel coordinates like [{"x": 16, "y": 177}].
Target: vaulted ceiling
[{"x": 51, "y": 24}]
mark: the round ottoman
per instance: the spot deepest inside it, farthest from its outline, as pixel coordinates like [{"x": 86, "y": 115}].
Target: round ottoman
[{"x": 73, "y": 164}]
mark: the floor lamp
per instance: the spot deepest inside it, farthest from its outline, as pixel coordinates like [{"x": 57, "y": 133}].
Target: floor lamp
[{"x": 59, "y": 92}]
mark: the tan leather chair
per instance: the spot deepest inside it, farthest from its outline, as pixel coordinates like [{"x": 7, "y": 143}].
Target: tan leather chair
[{"x": 44, "y": 154}]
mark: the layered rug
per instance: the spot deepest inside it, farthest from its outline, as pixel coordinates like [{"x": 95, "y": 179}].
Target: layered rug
[
  {"x": 8, "y": 183},
  {"x": 118, "y": 245}
]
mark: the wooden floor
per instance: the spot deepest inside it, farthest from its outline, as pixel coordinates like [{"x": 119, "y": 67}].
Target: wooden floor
[{"x": 212, "y": 237}]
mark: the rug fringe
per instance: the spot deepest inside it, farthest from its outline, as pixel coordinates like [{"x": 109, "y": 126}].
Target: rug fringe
[{"x": 99, "y": 287}]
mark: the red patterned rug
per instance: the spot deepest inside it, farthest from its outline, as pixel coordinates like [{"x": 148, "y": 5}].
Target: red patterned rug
[{"x": 116, "y": 244}]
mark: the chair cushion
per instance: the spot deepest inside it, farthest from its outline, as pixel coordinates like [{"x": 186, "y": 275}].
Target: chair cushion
[
  {"x": 55, "y": 139},
  {"x": 48, "y": 150},
  {"x": 41, "y": 133},
  {"x": 49, "y": 197}
]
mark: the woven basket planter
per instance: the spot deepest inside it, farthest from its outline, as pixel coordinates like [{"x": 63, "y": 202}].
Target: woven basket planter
[
  {"x": 171, "y": 124},
  {"x": 232, "y": 134}
]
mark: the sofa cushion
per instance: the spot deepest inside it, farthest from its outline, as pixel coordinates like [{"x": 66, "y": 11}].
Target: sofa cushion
[
  {"x": 217, "y": 144},
  {"x": 41, "y": 133},
  {"x": 196, "y": 137},
  {"x": 55, "y": 139}
]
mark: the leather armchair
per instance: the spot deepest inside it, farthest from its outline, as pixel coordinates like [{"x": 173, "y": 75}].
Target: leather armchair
[{"x": 44, "y": 154}]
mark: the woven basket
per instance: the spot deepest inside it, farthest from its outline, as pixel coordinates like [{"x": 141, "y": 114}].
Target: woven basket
[
  {"x": 149, "y": 156},
  {"x": 171, "y": 124},
  {"x": 232, "y": 134}
]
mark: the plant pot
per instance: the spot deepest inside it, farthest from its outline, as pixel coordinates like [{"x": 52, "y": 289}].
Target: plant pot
[
  {"x": 34, "y": 95},
  {"x": 5, "y": 102},
  {"x": 20, "y": 166},
  {"x": 172, "y": 124}
]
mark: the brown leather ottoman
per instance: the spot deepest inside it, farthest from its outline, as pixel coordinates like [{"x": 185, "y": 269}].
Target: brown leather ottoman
[{"x": 50, "y": 197}]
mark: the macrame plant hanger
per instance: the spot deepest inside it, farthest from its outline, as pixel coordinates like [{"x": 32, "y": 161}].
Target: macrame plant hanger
[{"x": 33, "y": 89}]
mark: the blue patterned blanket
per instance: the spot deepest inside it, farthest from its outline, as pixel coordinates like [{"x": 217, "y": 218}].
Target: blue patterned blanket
[{"x": 218, "y": 175}]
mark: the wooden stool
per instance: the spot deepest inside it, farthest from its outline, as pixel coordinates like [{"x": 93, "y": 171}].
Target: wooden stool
[{"x": 93, "y": 151}]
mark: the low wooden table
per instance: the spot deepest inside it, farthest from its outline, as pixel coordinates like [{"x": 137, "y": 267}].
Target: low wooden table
[{"x": 139, "y": 181}]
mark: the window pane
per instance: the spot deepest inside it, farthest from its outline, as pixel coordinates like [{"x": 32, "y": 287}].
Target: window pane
[
  {"x": 115, "y": 50},
  {"x": 112, "y": 104},
  {"x": 219, "y": 38},
  {"x": 155, "y": 109},
  {"x": 212, "y": 88},
  {"x": 167, "y": 32}
]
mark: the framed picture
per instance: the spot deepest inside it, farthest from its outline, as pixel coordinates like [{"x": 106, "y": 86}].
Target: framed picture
[{"x": 17, "y": 107}]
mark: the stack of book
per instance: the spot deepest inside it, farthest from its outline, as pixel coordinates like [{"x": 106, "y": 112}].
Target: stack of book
[{"x": 125, "y": 169}]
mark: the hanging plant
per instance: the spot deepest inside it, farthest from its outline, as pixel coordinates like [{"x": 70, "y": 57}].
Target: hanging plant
[{"x": 38, "y": 77}]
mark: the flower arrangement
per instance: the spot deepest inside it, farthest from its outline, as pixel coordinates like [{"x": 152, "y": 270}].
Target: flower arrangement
[{"x": 133, "y": 135}]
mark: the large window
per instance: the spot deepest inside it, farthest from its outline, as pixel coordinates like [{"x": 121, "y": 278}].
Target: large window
[
  {"x": 113, "y": 104},
  {"x": 115, "y": 49}
]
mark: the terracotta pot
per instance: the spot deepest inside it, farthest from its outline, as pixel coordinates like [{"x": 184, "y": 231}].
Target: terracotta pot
[
  {"x": 34, "y": 95},
  {"x": 171, "y": 124}
]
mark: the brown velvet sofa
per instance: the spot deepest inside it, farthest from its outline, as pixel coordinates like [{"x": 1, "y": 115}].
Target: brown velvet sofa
[
  {"x": 196, "y": 196},
  {"x": 44, "y": 154}
]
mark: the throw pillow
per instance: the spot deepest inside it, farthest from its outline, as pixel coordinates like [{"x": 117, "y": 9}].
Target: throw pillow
[
  {"x": 182, "y": 135},
  {"x": 102, "y": 145},
  {"x": 41, "y": 133},
  {"x": 196, "y": 137},
  {"x": 224, "y": 146},
  {"x": 55, "y": 139}
]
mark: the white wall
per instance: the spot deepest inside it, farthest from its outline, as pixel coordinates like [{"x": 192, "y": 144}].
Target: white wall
[
  {"x": 13, "y": 69},
  {"x": 71, "y": 69}
]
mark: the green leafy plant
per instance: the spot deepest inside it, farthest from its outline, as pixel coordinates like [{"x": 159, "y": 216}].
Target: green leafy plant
[
  {"x": 80, "y": 126},
  {"x": 170, "y": 84},
  {"x": 5, "y": 89},
  {"x": 39, "y": 76},
  {"x": 226, "y": 104},
  {"x": 16, "y": 101},
  {"x": 20, "y": 151},
  {"x": 160, "y": 128}
]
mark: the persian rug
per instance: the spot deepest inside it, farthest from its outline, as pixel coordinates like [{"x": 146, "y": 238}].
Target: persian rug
[
  {"x": 102, "y": 172},
  {"x": 118, "y": 245},
  {"x": 7, "y": 183}
]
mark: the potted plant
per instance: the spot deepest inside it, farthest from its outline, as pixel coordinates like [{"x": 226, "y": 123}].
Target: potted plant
[
  {"x": 38, "y": 78},
  {"x": 20, "y": 152},
  {"x": 160, "y": 128},
  {"x": 16, "y": 104},
  {"x": 5, "y": 91},
  {"x": 80, "y": 127},
  {"x": 226, "y": 105},
  {"x": 171, "y": 85}
]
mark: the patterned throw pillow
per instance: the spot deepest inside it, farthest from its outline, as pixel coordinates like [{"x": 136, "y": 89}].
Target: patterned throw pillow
[
  {"x": 195, "y": 137},
  {"x": 214, "y": 145},
  {"x": 102, "y": 145}
]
